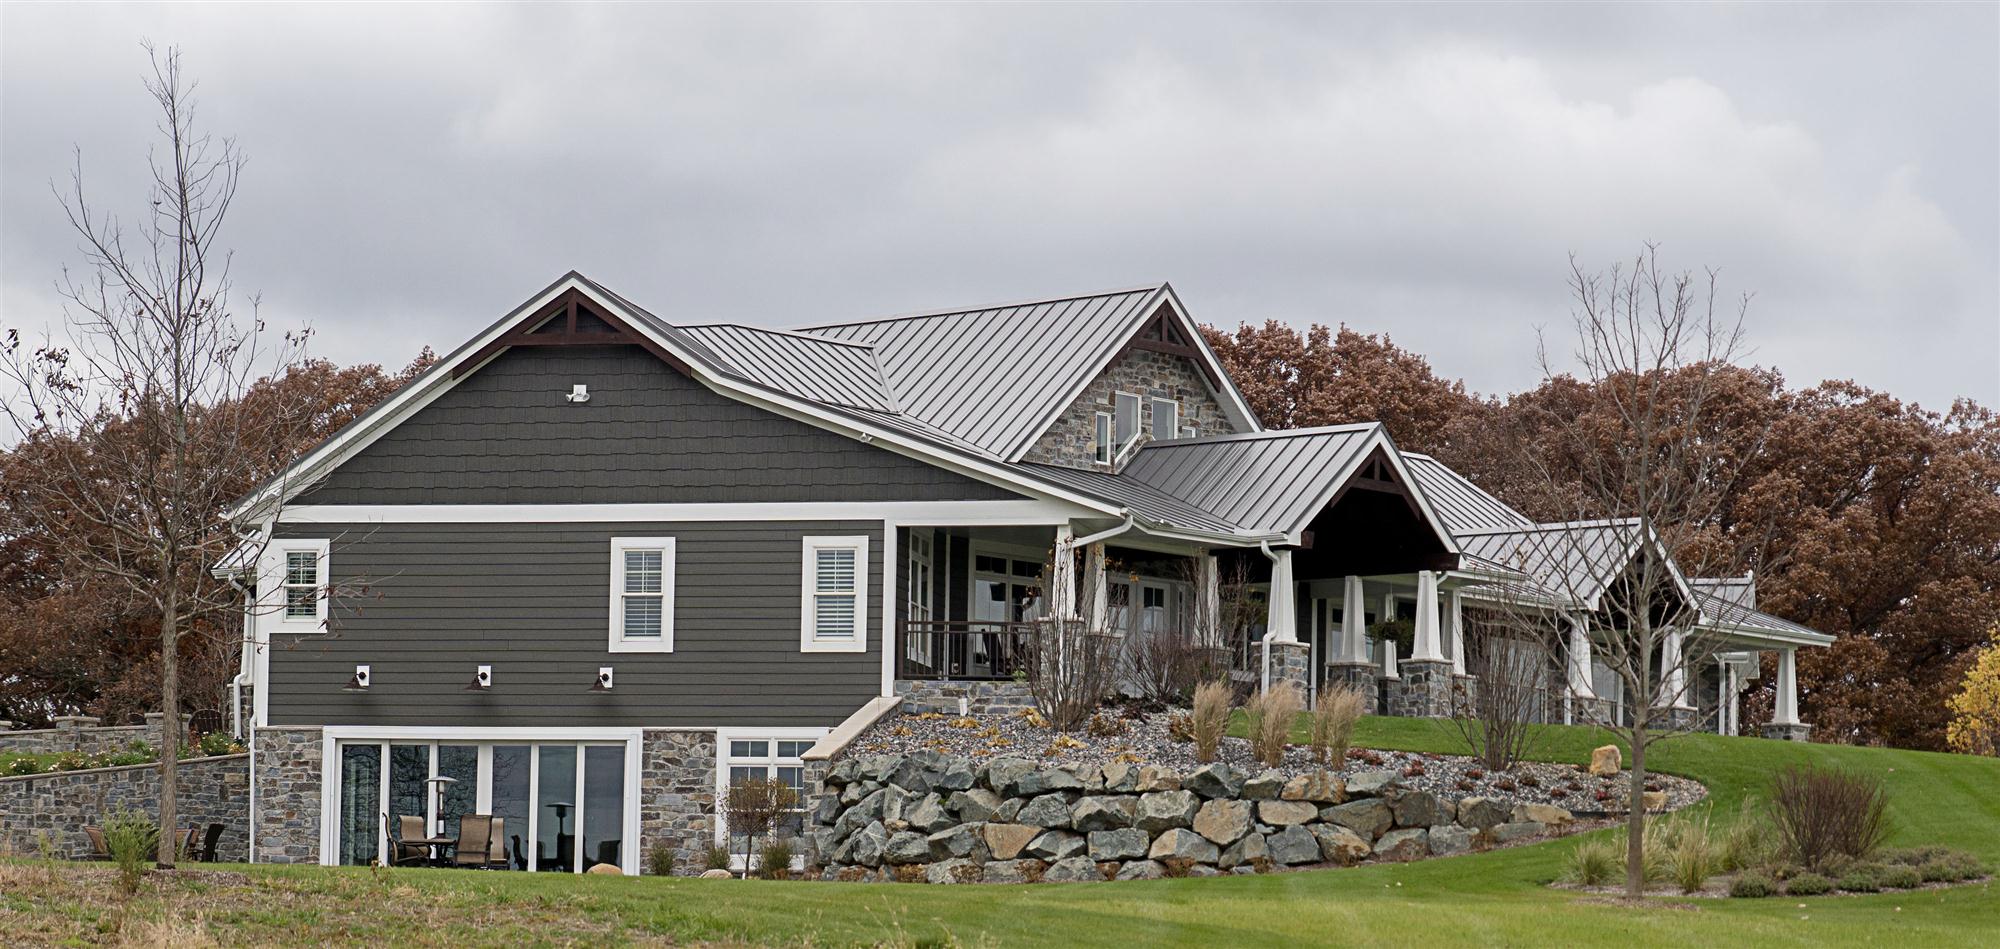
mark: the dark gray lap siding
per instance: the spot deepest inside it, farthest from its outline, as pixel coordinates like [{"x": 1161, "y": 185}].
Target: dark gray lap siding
[{"x": 533, "y": 601}]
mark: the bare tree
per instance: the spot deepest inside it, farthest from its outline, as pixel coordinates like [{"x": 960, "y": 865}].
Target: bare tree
[
  {"x": 1497, "y": 710},
  {"x": 1072, "y": 661},
  {"x": 139, "y": 411},
  {"x": 1641, "y": 479}
]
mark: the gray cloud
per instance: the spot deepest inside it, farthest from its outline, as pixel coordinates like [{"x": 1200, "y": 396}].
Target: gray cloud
[{"x": 1419, "y": 171}]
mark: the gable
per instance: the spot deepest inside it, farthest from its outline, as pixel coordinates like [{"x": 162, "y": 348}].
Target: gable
[
  {"x": 1148, "y": 371},
  {"x": 508, "y": 434}
]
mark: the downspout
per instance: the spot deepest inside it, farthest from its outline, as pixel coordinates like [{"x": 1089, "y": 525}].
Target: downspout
[
  {"x": 1265, "y": 680},
  {"x": 1087, "y": 540}
]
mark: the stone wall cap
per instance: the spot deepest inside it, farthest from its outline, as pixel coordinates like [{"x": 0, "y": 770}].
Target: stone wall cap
[{"x": 148, "y": 766}]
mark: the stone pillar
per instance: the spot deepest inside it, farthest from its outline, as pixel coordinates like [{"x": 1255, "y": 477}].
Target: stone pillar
[
  {"x": 1785, "y": 724},
  {"x": 1456, "y": 614},
  {"x": 286, "y": 790},
  {"x": 1291, "y": 662},
  {"x": 677, "y": 796},
  {"x": 1427, "y": 645},
  {"x": 69, "y": 730}
]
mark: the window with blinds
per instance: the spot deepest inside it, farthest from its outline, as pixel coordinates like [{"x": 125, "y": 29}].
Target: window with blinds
[
  {"x": 834, "y": 605},
  {"x": 642, "y": 594}
]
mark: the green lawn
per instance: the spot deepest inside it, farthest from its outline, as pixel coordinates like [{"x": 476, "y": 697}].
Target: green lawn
[{"x": 1495, "y": 898}]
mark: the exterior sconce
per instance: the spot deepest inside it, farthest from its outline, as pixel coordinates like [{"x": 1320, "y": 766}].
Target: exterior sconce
[
  {"x": 579, "y": 393},
  {"x": 481, "y": 680},
  {"x": 360, "y": 681},
  {"x": 603, "y": 683}
]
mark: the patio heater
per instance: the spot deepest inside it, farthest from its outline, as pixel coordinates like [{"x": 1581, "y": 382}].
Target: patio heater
[{"x": 438, "y": 786}]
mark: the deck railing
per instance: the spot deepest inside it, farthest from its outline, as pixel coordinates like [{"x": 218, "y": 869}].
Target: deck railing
[{"x": 962, "y": 650}]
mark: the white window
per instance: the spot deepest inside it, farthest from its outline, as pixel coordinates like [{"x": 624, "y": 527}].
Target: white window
[
  {"x": 642, "y": 594},
  {"x": 920, "y": 589},
  {"x": 299, "y": 572},
  {"x": 1166, "y": 419},
  {"x": 1102, "y": 443},
  {"x": 1127, "y": 422},
  {"x": 773, "y": 759},
  {"x": 833, "y": 599}
]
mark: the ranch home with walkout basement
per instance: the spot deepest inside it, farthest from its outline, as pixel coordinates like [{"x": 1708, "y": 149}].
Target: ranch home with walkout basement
[{"x": 593, "y": 565}]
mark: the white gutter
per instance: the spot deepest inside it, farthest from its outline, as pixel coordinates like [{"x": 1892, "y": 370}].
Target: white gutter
[
  {"x": 1265, "y": 642},
  {"x": 1089, "y": 539}
]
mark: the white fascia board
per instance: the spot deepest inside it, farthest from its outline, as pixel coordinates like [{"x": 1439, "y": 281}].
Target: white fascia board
[
  {"x": 1379, "y": 438},
  {"x": 1762, "y": 637},
  {"x": 919, "y": 513},
  {"x": 1232, "y": 400},
  {"x": 490, "y": 732},
  {"x": 1098, "y": 363}
]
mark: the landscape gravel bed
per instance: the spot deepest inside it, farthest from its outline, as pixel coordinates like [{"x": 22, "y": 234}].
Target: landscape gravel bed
[{"x": 1145, "y": 740}]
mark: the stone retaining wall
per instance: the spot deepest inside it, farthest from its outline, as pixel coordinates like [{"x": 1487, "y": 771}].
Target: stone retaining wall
[
  {"x": 83, "y": 733},
  {"x": 940, "y": 819},
  {"x": 210, "y": 790},
  {"x": 981, "y": 698}
]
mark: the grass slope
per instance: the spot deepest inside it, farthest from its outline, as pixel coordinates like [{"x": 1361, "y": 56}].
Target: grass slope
[{"x": 1495, "y": 898}]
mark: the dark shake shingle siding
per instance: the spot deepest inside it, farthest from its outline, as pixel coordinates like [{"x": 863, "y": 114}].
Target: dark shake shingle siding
[
  {"x": 507, "y": 435},
  {"x": 533, "y": 601}
]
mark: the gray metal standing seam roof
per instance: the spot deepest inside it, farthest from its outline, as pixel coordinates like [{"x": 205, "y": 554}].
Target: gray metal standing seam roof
[
  {"x": 1576, "y": 560},
  {"x": 1144, "y": 500},
  {"x": 1462, "y": 505},
  {"x": 811, "y": 367},
  {"x": 992, "y": 376},
  {"x": 1265, "y": 482}
]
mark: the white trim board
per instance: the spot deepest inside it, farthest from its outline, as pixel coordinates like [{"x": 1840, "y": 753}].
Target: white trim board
[{"x": 946, "y": 513}]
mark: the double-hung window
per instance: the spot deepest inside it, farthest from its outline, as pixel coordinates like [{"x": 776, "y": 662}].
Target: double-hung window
[
  {"x": 299, "y": 571},
  {"x": 834, "y": 596},
  {"x": 642, "y": 594}
]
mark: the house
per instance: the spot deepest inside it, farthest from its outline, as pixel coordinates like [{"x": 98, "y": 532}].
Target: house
[{"x": 594, "y": 565}]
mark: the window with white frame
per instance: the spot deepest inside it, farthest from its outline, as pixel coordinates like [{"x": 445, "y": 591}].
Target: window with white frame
[
  {"x": 1166, "y": 419},
  {"x": 1101, "y": 444},
  {"x": 1126, "y": 424},
  {"x": 642, "y": 594},
  {"x": 778, "y": 760},
  {"x": 833, "y": 598},
  {"x": 300, "y": 569},
  {"x": 920, "y": 590}
]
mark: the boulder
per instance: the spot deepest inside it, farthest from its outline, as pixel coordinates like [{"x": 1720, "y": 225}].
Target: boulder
[
  {"x": 854, "y": 792},
  {"x": 1214, "y": 780},
  {"x": 1156, "y": 778},
  {"x": 1141, "y": 870},
  {"x": 1203, "y": 870},
  {"x": 1056, "y": 845},
  {"x": 1184, "y": 844},
  {"x": 1163, "y": 809},
  {"x": 1654, "y": 801},
  {"x": 1091, "y": 775},
  {"x": 927, "y": 814},
  {"x": 1012, "y": 871},
  {"x": 1007, "y": 840},
  {"x": 1515, "y": 830},
  {"x": 952, "y": 871},
  {"x": 1293, "y": 845},
  {"x": 918, "y": 772},
  {"x": 1339, "y": 845},
  {"x": 877, "y": 768},
  {"x": 1605, "y": 761},
  {"x": 1264, "y": 786},
  {"x": 1548, "y": 814},
  {"x": 1317, "y": 788},
  {"x": 1010, "y": 808},
  {"x": 606, "y": 869},
  {"x": 841, "y": 774},
  {"x": 1446, "y": 839},
  {"x": 1368, "y": 817},
  {"x": 1417, "y": 809},
  {"x": 1104, "y": 812},
  {"x": 1407, "y": 844},
  {"x": 894, "y": 800},
  {"x": 1128, "y": 843},
  {"x": 960, "y": 841},
  {"x": 861, "y": 813},
  {"x": 1045, "y": 780},
  {"x": 866, "y": 846},
  {"x": 1119, "y": 777},
  {"x": 907, "y": 846},
  {"x": 1480, "y": 813},
  {"x": 954, "y": 775},
  {"x": 1373, "y": 783},
  {"x": 1248, "y": 850},
  {"x": 973, "y": 804},
  {"x": 1003, "y": 775},
  {"x": 1049, "y": 810},
  {"x": 1072, "y": 870},
  {"x": 826, "y": 809},
  {"x": 717, "y": 875},
  {"x": 1222, "y": 821},
  {"x": 825, "y": 843},
  {"x": 1286, "y": 813}
]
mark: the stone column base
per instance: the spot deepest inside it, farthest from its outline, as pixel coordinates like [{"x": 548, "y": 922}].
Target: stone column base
[
  {"x": 1588, "y": 710},
  {"x": 1290, "y": 662},
  {"x": 1359, "y": 676},
  {"x": 1794, "y": 731},
  {"x": 1424, "y": 691},
  {"x": 1678, "y": 718}
]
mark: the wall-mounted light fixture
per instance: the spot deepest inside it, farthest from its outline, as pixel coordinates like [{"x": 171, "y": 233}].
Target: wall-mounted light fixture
[
  {"x": 579, "y": 393},
  {"x": 603, "y": 683},
  {"x": 481, "y": 680},
  {"x": 360, "y": 681}
]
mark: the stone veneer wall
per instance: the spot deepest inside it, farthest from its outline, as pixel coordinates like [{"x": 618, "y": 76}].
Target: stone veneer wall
[
  {"x": 677, "y": 795},
  {"x": 981, "y": 698},
  {"x": 1069, "y": 440},
  {"x": 288, "y": 785},
  {"x": 83, "y": 733},
  {"x": 941, "y": 819},
  {"x": 210, "y": 790}
]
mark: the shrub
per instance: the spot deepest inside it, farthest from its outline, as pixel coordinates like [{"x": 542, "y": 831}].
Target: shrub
[
  {"x": 1692, "y": 856},
  {"x": 660, "y": 861},
  {"x": 218, "y": 743},
  {"x": 1860, "y": 879},
  {"x": 1899, "y": 877},
  {"x": 717, "y": 858},
  {"x": 1808, "y": 884},
  {"x": 1271, "y": 713},
  {"x": 1104, "y": 726},
  {"x": 1597, "y": 862},
  {"x": 775, "y": 862},
  {"x": 133, "y": 841},
  {"x": 1752, "y": 885},
  {"x": 1209, "y": 718},
  {"x": 1333, "y": 718},
  {"x": 1746, "y": 843},
  {"x": 1822, "y": 812}
]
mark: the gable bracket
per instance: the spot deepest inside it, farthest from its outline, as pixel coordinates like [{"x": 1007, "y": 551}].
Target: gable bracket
[{"x": 537, "y": 331}]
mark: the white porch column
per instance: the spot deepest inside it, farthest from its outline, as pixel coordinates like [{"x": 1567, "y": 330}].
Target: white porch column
[
  {"x": 1457, "y": 614},
  {"x": 1673, "y": 672},
  {"x": 1725, "y": 694},
  {"x": 1093, "y": 584},
  {"x": 1281, "y": 618},
  {"x": 1427, "y": 645},
  {"x": 1064, "y": 582},
  {"x": 1353, "y": 629},
  {"x": 1209, "y": 596},
  {"x": 1579, "y": 660},
  {"x": 1388, "y": 645},
  {"x": 1786, "y": 711}
]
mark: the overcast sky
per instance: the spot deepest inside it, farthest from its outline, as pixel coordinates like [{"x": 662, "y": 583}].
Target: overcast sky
[{"x": 1420, "y": 171}]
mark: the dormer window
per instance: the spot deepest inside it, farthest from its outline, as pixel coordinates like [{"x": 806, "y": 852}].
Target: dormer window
[
  {"x": 1126, "y": 423},
  {"x": 1102, "y": 442}
]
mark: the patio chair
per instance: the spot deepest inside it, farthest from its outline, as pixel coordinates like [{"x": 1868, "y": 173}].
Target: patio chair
[
  {"x": 208, "y": 841},
  {"x": 520, "y": 855},
  {"x": 475, "y": 838},
  {"x": 496, "y": 848},
  {"x": 406, "y": 828},
  {"x": 99, "y": 850}
]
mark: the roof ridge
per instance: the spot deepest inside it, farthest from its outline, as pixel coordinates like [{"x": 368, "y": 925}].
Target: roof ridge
[
  {"x": 1347, "y": 427},
  {"x": 777, "y": 331},
  {"x": 1548, "y": 526},
  {"x": 956, "y": 311}
]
